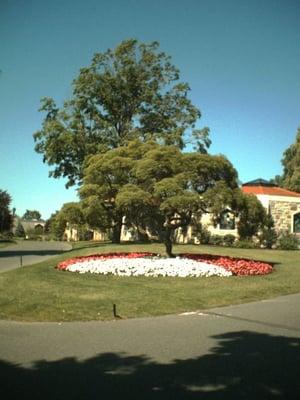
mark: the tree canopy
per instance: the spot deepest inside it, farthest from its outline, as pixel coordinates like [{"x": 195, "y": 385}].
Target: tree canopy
[
  {"x": 154, "y": 187},
  {"x": 69, "y": 215},
  {"x": 6, "y": 217},
  {"x": 252, "y": 216},
  {"x": 291, "y": 166},
  {"x": 131, "y": 92},
  {"x": 32, "y": 214}
]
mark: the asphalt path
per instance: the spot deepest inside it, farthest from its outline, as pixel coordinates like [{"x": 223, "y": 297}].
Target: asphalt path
[
  {"x": 29, "y": 252},
  {"x": 249, "y": 351}
]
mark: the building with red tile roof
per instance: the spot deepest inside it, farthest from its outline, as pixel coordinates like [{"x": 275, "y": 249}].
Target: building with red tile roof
[
  {"x": 262, "y": 187},
  {"x": 283, "y": 204}
]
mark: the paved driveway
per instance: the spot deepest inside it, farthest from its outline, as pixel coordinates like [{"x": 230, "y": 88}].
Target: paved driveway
[
  {"x": 251, "y": 351},
  {"x": 29, "y": 252}
]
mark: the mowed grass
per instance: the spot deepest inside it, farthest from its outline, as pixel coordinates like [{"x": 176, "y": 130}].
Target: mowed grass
[{"x": 42, "y": 293}]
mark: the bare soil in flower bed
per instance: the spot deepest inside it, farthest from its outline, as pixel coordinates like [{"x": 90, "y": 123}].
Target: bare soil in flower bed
[{"x": 42, "y": 293}]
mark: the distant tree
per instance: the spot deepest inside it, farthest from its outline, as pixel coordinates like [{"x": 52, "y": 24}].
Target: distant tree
[
  {"x": 55, "y": 227},
  {"x": 153, "y": 186},
  {"x": 47, "y": 226},
  {"x": 6, "y": 218},
  {"x": 127, "y": 93},
  {"x": 69, "y": 215},
  {"x": 277, "y": 180},
  {"x": 291, "y": 166},
  {"x": 32, "y": 214}
]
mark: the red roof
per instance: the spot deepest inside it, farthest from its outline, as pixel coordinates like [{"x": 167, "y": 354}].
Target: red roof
[{"x": 269, "y": 190}]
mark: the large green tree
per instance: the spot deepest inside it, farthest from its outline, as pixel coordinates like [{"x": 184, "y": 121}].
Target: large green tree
[
  {"x": 6, "y": 217},
  {"x": 130, "y": 92},
  {"x": 291, "y": 166},
  {"x": 154, "y": 187}
]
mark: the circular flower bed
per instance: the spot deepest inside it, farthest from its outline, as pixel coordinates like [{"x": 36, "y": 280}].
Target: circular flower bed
[{"x": 150, "y": 264}]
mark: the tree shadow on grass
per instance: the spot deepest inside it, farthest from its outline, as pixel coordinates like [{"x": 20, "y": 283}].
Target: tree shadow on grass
[
  {"x": 124, "y": 244},
  {"x": 88, "y": 245},
  {"x": 243, "y": 365}
]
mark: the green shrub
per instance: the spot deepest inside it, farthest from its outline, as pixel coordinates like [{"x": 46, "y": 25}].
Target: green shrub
[
  {"x": 20, "y": 232},
  {"x": 216, "y": 240},
  {"x": 245, "y": 244},
  {"x": 228, "y": 240},
  {"x": 34, "y": 237},
  {"x": 268, "y": 235},
  {"x": 201, "y": 233},
  {"x": 287, "y": 241},
  {"x": 6, "y": 236},
  {"x": 204, "y": 236},
  {"x": 251, "y": 217}
]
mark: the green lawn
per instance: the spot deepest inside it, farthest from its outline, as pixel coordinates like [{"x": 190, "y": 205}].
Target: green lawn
[{"x": 42, "y": 293}]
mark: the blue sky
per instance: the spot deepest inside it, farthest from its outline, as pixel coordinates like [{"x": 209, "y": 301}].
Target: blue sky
[{"x": 241, "y": 59}]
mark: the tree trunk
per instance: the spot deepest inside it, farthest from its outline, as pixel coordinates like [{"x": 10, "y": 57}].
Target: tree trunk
[
  {"x": 142, "y": 235},
  {"x": 116, "y": 233},
  {"x": 168, "y": 243}
]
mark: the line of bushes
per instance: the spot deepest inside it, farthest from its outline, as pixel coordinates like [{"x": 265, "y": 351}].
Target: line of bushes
[{"x": 265, "y": 239}]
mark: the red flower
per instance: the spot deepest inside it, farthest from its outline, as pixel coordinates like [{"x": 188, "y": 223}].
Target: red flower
[{"x": 237, "y": 266}]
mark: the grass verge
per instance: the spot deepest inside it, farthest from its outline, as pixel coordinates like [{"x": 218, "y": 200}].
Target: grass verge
[
  {"x": 6, "y": 242},
  {"x": 41, "y": 293}
]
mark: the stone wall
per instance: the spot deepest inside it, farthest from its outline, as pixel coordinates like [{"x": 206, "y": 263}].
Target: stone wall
[{"x": 282, "y": 213}]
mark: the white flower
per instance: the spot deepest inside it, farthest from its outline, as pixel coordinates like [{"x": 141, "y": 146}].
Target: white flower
[{"x": 180, "y": 267}]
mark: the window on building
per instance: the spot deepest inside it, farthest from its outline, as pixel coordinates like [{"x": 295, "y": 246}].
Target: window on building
[
  {"x": 297, "y": 223},
  {"x": 227, "y": 220}
]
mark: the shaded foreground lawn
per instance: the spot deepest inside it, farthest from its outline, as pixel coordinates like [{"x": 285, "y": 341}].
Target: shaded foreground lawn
[{"x": 41, "y": 293}]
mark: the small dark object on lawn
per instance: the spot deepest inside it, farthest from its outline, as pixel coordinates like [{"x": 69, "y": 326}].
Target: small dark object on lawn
[{"x": 115, "y": 312}]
